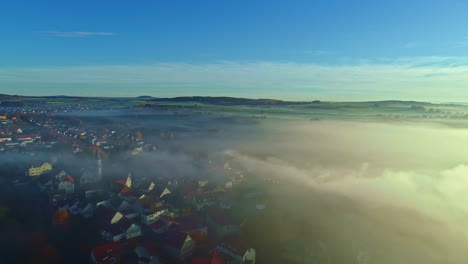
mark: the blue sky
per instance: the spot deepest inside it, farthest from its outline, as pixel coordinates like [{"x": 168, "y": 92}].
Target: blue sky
[{"x": 290, "y": 49}]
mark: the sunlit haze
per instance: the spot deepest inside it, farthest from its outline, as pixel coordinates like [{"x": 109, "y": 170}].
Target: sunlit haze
[{"x": 240, "y": 132}]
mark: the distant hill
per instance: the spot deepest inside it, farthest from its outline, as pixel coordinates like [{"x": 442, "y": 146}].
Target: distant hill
[
  {"x": 223, "y": 101},
  {"x": 6, "y": 97},
  {"x": 398, "y": 102}
]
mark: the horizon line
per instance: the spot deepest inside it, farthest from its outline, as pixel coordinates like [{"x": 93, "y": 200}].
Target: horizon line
[{"x": 237, "y": 97}]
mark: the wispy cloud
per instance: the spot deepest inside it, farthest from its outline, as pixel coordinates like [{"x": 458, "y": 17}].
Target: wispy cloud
[
  {"x": 415, "y": 78},
  {"x": 461, "y": 44},
  {"x": 413, "y": 44},
  {"x": 74, "y": 34},
  {"x": 319, "y": 52}
]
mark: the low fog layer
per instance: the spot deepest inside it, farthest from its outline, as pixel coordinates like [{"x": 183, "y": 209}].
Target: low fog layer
[
  {"x": 364, "y": 192},
  {"x": 352, "y": 191},
  {"x": 372, "y": 192}
]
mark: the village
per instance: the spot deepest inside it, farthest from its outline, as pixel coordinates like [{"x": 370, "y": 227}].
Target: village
[
  {"x": 147, "y": 219},
  {"x": 233, "y": 132},
  {"x": 151, "y": 221},
  {"x": 139, "y": 185}
]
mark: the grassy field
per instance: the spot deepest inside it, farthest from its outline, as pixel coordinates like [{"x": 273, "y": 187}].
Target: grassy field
[{"x": 394, "y": 110}]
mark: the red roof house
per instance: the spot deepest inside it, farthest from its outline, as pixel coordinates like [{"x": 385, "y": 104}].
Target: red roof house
[{"x": 107, "y": 254}]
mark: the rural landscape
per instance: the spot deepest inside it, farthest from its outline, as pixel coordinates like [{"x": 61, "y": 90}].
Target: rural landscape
[
  {"x": 197, "y": 180},
  {"x": 233, "y": 132}
]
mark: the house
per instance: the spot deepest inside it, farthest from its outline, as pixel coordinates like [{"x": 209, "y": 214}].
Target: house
[
  {"x": 150, "y": 209},
  {"x": 88, "y": 178},
  {"x": 234, "y": 252},
  {"x": 11, "y": 144},
  {"x": 123, "y": 229},
  {"x": 38, "y": 171},
  {"x": 5, "y": 139},
  {"x": 149, "y": 217},
  {"x": 61, "y": 175},
  {"x": 220, "y": 222},
  {"x": 107, "y": 254},
  {"x": 228, "y": 185},
  {"x": 67, "y": 185},
  {"x": 133, "y": 231},
  {"x": 114, "y": 226},
  {"x": 127, "y": 187},
  {"x": 25, "y": 143},
  {"x": 177, "y": 245},
  {"x": 28, "y": 137},
  {"x": 165, "y": 192},
  {"x": 82, "y": 208},
  {"x": 107, "y": 216},
  {"x": 157, "y": 190},
  {"x": 151, "y": 186},
  {"x": 192, "y": 225}
]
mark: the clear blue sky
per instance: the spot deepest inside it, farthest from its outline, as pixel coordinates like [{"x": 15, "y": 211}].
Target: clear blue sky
[{"x": 294, "y": 49}]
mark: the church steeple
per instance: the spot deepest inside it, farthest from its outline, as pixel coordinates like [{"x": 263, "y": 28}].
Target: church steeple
[{"x": 99, "y": 165}]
